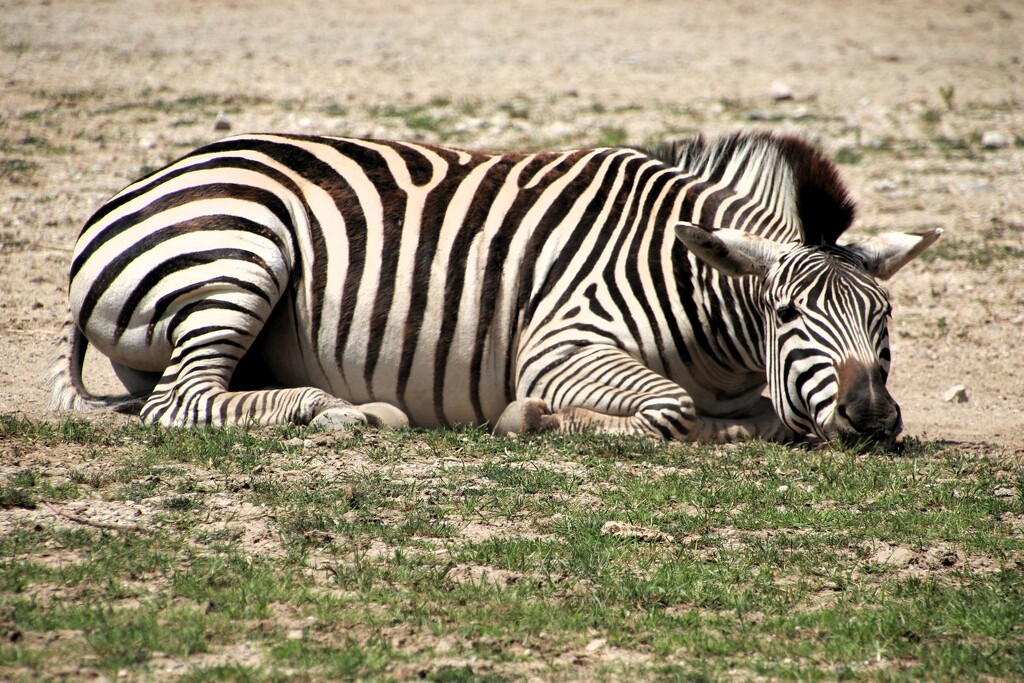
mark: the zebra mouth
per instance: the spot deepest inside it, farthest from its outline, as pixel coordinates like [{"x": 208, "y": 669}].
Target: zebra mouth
[
  {"x": 863, "y": 412},
  {"x": 865, "y": 433}
]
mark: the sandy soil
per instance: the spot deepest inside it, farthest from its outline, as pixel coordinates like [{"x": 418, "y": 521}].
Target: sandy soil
[{"x": 921, "y": 101}]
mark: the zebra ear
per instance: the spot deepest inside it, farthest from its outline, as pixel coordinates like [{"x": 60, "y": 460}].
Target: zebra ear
[
  {"x": 884, "y": 254},
  {"x": 733, "y": 252}
]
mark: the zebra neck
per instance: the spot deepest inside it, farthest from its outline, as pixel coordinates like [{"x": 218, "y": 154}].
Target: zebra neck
[{"x": 727, "y": 357}]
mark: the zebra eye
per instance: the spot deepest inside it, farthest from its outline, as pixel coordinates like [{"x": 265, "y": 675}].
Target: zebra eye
[{"x": 787, "y": 312}]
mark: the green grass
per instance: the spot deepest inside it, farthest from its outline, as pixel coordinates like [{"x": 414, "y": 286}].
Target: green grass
[
  {"x": 982, "y": 254},
  {"x": 456, "y": 555},
  {"x": 17, "y": 169},
  {"x": 612, "y": 137}
]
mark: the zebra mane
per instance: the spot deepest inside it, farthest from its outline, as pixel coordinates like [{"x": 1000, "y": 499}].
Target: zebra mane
[{"x": 823, "y": 204}]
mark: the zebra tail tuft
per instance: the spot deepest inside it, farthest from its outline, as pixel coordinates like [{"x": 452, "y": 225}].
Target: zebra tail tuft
[{"x": 64, "y": 382}]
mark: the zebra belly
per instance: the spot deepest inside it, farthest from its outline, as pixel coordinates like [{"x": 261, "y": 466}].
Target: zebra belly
[{"x": 409, "y": 374}]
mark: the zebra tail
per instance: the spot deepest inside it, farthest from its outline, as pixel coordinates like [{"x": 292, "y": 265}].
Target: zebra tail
[{"x": 67, "y": 390}]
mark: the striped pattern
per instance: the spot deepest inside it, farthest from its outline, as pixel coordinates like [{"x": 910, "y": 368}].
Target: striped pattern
[
  {"x": 832, "y": 283},
  {"x": 450, "y": 283}
]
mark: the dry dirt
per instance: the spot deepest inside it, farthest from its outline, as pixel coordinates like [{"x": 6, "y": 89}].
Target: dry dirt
[{"x": 915, "y": 97}]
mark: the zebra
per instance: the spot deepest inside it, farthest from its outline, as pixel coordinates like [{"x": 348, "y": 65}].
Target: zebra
[{"x": 696, "y": 290}]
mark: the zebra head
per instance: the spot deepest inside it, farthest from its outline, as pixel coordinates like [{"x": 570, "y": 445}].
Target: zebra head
[{"x": 826, "y": 339}]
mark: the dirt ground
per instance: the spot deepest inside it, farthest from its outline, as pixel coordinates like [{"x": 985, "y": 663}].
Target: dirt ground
[{"x": 920, "y": 101}]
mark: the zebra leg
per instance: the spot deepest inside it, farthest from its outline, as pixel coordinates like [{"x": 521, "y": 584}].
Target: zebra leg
[
  {"x": 532, "y": 416},
  {"x": 605, "y": 390},
  {"x": 723, "y": 430},
  {"x": 194, "y": 391},
  {"x": 376, "y": 414}
]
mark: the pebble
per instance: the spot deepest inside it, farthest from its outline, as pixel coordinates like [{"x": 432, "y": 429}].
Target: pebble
[
  {"x": 991, "y": 139},
  {"x": 221, "y": 123},
  {"x": 780, "y": 91},
  {"x": 956, "y": 394},
  {"x": 801, "y": 113}
]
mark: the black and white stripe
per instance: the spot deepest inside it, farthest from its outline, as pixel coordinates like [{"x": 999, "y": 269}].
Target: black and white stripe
[{"x": 449, "y": 284}]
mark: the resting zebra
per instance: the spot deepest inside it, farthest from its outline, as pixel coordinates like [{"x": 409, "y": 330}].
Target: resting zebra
[{"x": 656, "y": 292}]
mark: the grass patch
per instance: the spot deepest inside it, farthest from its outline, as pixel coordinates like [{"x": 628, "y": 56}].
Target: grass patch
[
  {"x": 11, "y": 242},
  {"x": 16, "y": 169},
  {"x": 458, "y": 555},
  {"x": 980, "y": 253},
  {"x": 849, "y": 156},
  {"x": 612, "y": 137}
]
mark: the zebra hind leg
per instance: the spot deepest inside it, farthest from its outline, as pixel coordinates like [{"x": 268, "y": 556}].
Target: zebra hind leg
[
  {"x": 373, "y": 414},
  {"x": 193, "y": 391}
]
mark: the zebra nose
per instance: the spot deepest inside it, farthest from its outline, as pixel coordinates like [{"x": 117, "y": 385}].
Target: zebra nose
[{"x": 865, "y": 410}]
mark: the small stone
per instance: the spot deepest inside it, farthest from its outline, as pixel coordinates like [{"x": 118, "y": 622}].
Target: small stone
[
  {"x": 800, "y": 113},
  {"x": 147, "y": 143},
  {"x": 294, "y": 634},
  {"x": 956, "y": 394},
  {"x": 595, "y": 645},
  {"x": 991, "y": 139},
  {"x": 780, "y": 91},
  {"x": 782, "y": 489},
  {"x": 221, "y": 123},
  {"x": 1005, "y": 492}
]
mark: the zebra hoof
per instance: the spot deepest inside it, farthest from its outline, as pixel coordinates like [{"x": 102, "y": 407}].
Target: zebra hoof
[
  {"x": 336, "y": 419},
  {"x": 526, "y": 416},
  {"x": 384, "y": 415}
]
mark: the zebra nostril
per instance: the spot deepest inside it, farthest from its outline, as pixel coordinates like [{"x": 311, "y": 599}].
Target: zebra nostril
[{"x": 841, "y": 412}]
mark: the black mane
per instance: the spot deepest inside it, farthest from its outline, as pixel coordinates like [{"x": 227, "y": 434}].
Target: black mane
[{"x": 823, "y": 204}]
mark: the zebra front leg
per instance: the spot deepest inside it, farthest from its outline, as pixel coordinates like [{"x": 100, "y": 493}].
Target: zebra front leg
[
  {"x": 532, "y": 416},
  {"x": 724, "y": 430},
  {"x": 602, "y": 388}
]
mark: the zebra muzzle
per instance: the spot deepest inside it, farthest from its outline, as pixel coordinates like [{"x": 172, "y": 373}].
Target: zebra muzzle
[{"x": 865, "y": 410}]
